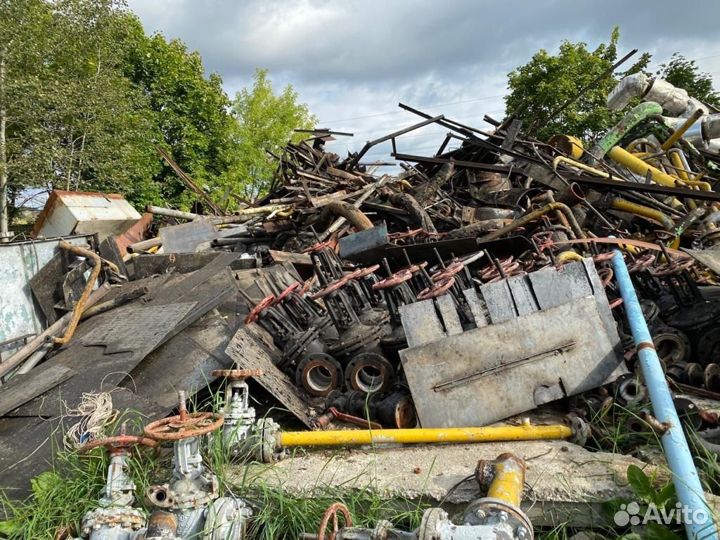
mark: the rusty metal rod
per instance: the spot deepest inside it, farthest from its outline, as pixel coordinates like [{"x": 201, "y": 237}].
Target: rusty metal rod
[
  {"x": 82, "y": 301},
  {"x": 532, "y": 216},
  {"x": 58, "y": 326}
]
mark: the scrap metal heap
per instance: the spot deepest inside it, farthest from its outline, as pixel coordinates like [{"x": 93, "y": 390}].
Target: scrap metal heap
[{"x": 394, "y": 300}]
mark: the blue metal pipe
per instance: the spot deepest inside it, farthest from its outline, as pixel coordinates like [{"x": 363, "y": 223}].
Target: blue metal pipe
[{"x": 685, "y": 477}]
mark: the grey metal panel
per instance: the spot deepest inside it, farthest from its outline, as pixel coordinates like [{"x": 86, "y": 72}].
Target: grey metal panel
[
  {"x": 421, "y": 323},
  {"x": 708, "y": 257},
  {"x": 499, "y": 301},
  {"x": 525, "y": 302},
  {"x": 477, "y": 307},
  {"x": 19, "y": 262},
  {"x": 449, "y": 314},
  {"x": 186, "y": 237},
  {"x": 511, "y": 367},
  {"x": 554, "y": 287}
]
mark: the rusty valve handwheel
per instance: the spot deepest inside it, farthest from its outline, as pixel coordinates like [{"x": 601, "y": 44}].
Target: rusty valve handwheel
[
  {"x": 331, "y": 288},
  {"x": 365, "y": 272},
  {"x": 332, "y": 512},
  {"x": 118, "y": 442},
  {"x": 237, "y": 374},
  {"x": 259, "y": 308},
  {"x": 393, "y": 281},
  {"x": 453, "y": 269},
  {"x": 287, "y": 292},
  {"x": 438, "y": 289},
  {"x": 184, "y": 425}
]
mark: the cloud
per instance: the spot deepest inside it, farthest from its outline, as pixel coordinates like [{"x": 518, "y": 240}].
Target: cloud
[{"x": 354, "y": 60}]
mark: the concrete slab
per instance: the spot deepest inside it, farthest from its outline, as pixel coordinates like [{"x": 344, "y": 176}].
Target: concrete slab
[{"x": 564, "y": 484}]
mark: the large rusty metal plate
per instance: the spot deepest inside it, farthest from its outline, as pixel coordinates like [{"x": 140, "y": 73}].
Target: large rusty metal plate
[
  {"x": 252, "y": 348},
  {"x": 487, "y": 374}
]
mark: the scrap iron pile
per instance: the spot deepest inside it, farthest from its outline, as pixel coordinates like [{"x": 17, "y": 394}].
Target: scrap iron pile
[{"x": 360, "y": 289}]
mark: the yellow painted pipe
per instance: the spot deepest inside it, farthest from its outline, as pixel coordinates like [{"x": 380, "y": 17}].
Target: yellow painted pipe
[
  {"x": 569, "y": 145},
  {"x": 536, "y": 214},
  {"x": 567, "y": 256},
  {"x": 508, "y": 473},
  {"x": 638, "y": 166},
  {"x": 581, "y": 166},
  {"x": 679, "y": 132},
  {"x": 645, "y": 211},
  {"x": 352, "y": 437},
  {"x": 676, "y": 161}
]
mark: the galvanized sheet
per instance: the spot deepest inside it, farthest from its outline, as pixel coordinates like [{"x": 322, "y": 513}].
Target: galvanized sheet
[{"x": 509, "y": 368}]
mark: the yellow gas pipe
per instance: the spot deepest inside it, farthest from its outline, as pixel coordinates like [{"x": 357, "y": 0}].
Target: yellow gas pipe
[
  {"x": 506, "y": 477},
  {"x": 638, "y": 166},
  {"x": 644, "y": 211},
  {"x": 352, "y": 437}
]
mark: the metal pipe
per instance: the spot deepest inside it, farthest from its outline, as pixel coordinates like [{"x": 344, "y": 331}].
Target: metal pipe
[
  {"x": 677, "y": 162},
  {"x": 679, "y": 132},
  {"x": 145, "y": 245},
  {"x": 578, "y": 165},
  {"x": 567, "y": 256},
  {"x": 82, "y": 301},
  {"x": 532, "y": 216},
  {"x": 33, "y": 346},
  {"x": 505, "y": 478},
  {"x": 644, "y": 211},
  {"x": 633, "y": 117},
  {"x": 638, "y": 166},
  {"x": 685, "y": 476},
  {"x": 353, "y": 437},
  {"x": 170, "y": 212}
]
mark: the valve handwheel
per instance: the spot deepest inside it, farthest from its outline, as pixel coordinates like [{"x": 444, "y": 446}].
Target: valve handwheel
[
  {"x": 332, "y": 512},
  {"x": 259, "y": 308},
  {"x": 184, "y": 425},
  {"x": 118, "y": 442}
]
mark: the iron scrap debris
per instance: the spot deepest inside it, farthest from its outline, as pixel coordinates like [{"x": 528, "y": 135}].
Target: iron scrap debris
[{"x": 479, "y": 275}]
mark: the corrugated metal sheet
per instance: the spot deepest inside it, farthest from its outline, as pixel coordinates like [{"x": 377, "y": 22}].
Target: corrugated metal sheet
[{"x": 19, "y": 262}]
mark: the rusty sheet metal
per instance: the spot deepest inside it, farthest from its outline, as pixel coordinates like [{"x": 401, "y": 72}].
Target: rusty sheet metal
[
  {"x": 20, "y": 261},
  {"x": 252, "y": 348},
  {"x": 512, "y": 367}
]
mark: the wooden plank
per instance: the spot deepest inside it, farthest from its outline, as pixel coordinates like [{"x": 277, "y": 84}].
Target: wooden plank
[
  {"x": 252, "y": 348},
  {"x": 23, "y": 388}
]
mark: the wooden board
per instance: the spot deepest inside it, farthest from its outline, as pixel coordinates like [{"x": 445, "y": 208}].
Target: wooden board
[{"x": 22, "y": 388}]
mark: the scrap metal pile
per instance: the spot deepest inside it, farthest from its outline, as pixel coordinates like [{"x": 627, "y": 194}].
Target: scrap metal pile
[{"x": 474, "y": 285}]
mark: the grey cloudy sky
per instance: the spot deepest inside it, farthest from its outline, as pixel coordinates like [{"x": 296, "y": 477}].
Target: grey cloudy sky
[{"x": 352, "y": 61}]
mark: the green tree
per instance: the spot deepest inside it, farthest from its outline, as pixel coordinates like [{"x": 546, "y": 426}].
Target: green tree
[
  {"x": 543, "y": 85},
  {"x": 265, "y": 122},
  {"x": 68, "y": 118},
  {"x": 190, "y": 111},
  {"x": 685, "y": 74}
]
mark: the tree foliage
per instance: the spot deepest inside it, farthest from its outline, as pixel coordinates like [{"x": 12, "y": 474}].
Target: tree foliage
[
  {"x": 685, "y": 73},
  {"x": 88, "y": 97},
  {"x": 265, "y": 124},
  {"x": 540, "y": 87}
]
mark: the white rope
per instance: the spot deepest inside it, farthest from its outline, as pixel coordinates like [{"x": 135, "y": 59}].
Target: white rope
[{"x": 95, "y": 413}]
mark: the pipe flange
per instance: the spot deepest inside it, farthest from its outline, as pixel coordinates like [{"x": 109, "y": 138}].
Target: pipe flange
[
  {"x": 369, "y": 373},
  {"x": 319, "y": 374},
  {"x": 672, "y": 345},
  {"x": 495, "y": 507}
]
